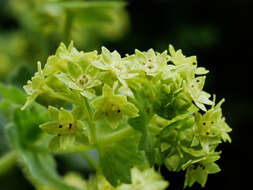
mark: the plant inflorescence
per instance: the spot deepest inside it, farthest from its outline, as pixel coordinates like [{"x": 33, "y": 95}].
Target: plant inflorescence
[{"x": 139, "y": 111}]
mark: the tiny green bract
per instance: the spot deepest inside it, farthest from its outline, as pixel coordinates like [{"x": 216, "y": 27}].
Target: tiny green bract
[{"x": 137, "y": 111}]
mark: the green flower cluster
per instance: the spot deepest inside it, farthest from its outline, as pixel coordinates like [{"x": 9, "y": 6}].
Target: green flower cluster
[{"x": 147, "y": 107}]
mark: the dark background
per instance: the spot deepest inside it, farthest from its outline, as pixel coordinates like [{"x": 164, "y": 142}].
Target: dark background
[{"x": 221, "y": 35}]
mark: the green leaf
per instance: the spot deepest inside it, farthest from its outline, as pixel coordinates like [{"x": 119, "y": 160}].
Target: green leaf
[
  {"x": 117, "y": 160},
  {"x": 115, "y": 167},
  {"x": 24, "y": 133},
  {"x": 141, "y": 124},
  {"x": 40, "y": 164},
  {"x": 147, "y": 141},
  {"x": 12, "y": 94},
  {"x": 7, "y": 108},
  {"x": 20, "y": 75},
  {"x": 147, "y": 144}
]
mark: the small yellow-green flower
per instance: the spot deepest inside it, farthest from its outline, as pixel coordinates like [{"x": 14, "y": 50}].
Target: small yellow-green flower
[
  {"x": 147, "y": 179},
  {"x": 65, "y": 126},
  {"x": 60, "y": 61},
  {"x": 113, "y": 108},
  {"x": 156, "y": 100},
  {"x": 112, "y": 62},
  {"x": 211, "y": 126},
  {"x": 178, "y": 58},
  {"x": 83, "y": 83},
  {"x": 198, "y": 170},
  {"x": 194, "y": 88},
  {"x": 73, "y": 179},
  {"x": 150, "y": 62},
  {"x": 35, "y": 86}
]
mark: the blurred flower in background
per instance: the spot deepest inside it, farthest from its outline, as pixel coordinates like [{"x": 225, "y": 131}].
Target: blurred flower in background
[{"x": 40, "y": 25}]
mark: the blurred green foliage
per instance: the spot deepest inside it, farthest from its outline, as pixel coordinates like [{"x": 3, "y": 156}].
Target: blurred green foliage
[
  {"x": 40, "y": 25},
  {"x": 33, "y": 30}
]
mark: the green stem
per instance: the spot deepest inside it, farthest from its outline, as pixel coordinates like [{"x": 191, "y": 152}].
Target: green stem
[
  {"x": 75, "y": 149},
  {"x": 68, "y": 26},
  {"x": 90, "y": 161},
  {"x": 7, "y": 162},
  {"x": 91, "y": 124}
]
